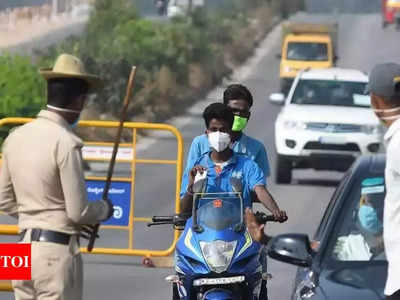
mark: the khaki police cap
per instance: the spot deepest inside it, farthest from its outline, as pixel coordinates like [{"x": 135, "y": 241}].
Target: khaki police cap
[{"x": 68, "y": 66}]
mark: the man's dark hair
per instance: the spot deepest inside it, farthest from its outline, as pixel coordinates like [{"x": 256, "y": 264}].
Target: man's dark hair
[
  {"x": 218, "y": 111},
  {"x": 63, "y": 91},
  {"x": 237, "y": 92}
]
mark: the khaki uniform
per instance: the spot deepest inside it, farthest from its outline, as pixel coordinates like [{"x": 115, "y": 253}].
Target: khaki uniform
[{"x": 42, "y": 184}]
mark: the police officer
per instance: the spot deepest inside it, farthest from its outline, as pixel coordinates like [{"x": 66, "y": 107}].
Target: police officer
[
  {"x": 384, "y": 86},
  {"x": 42, "y": 184}
]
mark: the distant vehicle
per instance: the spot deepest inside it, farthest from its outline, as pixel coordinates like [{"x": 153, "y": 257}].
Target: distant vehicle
[
  {"x": 81, "y": 10},
  {"x": 391, "y": 13},
  {"x": 346, "y": 261},
  {"x": 306, "y": 45},
  {"x": 326, "y": 122},
  {"x": 161, "y": 6},
  {"x": 177, "y": 8}
]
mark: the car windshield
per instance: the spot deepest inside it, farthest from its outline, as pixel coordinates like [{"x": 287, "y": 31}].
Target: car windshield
[
  {"x": 331, "y": 92},
  {"x": 307, "y": 51},
  {"x": 219, "y": 213},
  {"x": 358, "y": 237}
]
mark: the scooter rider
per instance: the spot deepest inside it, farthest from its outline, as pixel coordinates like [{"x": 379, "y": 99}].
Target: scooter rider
[{"x": 221, "y": 164}]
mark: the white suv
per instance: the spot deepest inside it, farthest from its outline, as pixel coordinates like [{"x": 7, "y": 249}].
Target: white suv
[{"x": 326, "y": 122}]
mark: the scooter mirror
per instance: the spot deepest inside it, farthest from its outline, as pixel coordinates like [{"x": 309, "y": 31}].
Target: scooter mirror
[
  {"x": 236, "y": 185},
  {"x": 200, "y": 186}
]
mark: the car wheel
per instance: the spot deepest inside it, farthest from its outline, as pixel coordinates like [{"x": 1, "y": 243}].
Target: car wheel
[
  {"x": 283, "y": 171},
  {"x": 384, "y": 24}
]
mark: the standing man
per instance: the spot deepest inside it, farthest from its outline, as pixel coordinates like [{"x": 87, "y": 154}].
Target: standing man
[
  {"x": 384, "y": 86},
  {"x": 42, "y": 184},
  {"x": 240, "y": 100}
]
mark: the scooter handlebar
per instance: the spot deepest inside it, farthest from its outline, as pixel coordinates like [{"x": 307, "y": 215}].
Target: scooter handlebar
[
  {"x": 263, "y": 218},
  {"x": 178, "y": 220},
  {"x": 157, "y": 219}
]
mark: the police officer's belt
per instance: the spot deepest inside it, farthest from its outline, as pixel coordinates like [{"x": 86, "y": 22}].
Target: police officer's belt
[{"x": 40, "y": 235}]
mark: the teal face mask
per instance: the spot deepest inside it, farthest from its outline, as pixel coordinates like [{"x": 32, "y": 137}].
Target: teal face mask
[
  {"x": 239, "y": 123},
  {"x": 369, "y": 219}
]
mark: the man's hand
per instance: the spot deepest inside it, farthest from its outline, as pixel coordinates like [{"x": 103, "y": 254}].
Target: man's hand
[
  {"x": 110, "y": 207},
  {"x": 266, "y": 199},
  {"x": 87, "y": 231},
  {"x": 194, "y": 171},
  {"x": 108, "y": 210},
  {"x": 280, "y": 216},
  {"x": 256, "y": 230}
]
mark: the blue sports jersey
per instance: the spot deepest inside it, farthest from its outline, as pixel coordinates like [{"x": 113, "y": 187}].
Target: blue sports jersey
[{"x": 239, "y": 166}]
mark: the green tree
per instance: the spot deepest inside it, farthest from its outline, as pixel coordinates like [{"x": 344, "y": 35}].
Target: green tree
[{"x": 22, "y": 90}]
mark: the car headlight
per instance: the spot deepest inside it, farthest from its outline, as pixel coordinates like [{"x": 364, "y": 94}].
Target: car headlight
[
  {"x": 218, "y": 254},
  {"x": 371, "y": 129},
  {"x": 294, "y": 125}
]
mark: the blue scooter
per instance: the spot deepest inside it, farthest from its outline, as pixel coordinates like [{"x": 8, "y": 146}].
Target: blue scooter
[{"x": 215, "y": 258}]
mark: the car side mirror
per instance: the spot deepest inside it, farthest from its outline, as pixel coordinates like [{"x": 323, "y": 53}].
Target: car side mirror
[
  {"x": 292, "y": 249},
  {"x": 277, "y": 98},
  {"x": 278, "y": 56},
  {"x": 199, "y": 187},
  {"x": 335, "y": 58}
]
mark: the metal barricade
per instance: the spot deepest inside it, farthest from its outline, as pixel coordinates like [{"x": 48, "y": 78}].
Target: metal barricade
[{"x": 134, "y": 160}]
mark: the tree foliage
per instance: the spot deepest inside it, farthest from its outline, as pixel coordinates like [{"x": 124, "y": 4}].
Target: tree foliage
[
  {"x": 21, "y": 89},
  {"x": 167, "y": 53}
]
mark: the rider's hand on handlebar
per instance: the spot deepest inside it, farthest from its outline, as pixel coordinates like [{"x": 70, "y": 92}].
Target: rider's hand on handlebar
[
  {"x": 194, "y": 171},
  {"x": 280, "y": 216},
  {"x": 256, "y": 230}
]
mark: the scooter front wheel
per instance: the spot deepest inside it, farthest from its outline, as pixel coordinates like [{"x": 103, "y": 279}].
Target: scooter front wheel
[{"x": 175, "y": 293}]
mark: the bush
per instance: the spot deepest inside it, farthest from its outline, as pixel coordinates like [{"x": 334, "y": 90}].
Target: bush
[{"x": 22, "y": 91}]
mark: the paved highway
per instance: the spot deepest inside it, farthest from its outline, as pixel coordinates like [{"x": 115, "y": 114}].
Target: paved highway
[{"x": 362, "y": 44}]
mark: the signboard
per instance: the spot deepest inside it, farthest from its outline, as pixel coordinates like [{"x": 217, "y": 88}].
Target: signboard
[
  {"x": 105, "y": 152},
  {"x": 119, "y": 194}
]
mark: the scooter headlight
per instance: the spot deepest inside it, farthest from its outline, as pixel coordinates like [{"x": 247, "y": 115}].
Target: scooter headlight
[{"x": 218, "y": 254}]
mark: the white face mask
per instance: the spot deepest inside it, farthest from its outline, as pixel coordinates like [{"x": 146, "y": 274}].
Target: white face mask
[
  {"x": 394, "y": 117},
  {"x": 219, "y": 140},
  {"x": 387, "y": 111},
  {"x": 73, "y": 111}
]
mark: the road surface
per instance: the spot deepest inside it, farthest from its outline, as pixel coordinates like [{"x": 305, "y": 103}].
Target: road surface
[{"x": 123, "y": 278}]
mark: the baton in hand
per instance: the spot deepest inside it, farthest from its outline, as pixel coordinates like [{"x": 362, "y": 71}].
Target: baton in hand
[{"x": 114, "y": 153}]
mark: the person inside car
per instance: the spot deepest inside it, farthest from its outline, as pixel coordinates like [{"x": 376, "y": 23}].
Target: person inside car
[{"x": 366, "y": 241}]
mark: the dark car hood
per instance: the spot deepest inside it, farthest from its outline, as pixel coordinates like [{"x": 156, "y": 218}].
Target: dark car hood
[{"x": 358, "y": 282}]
